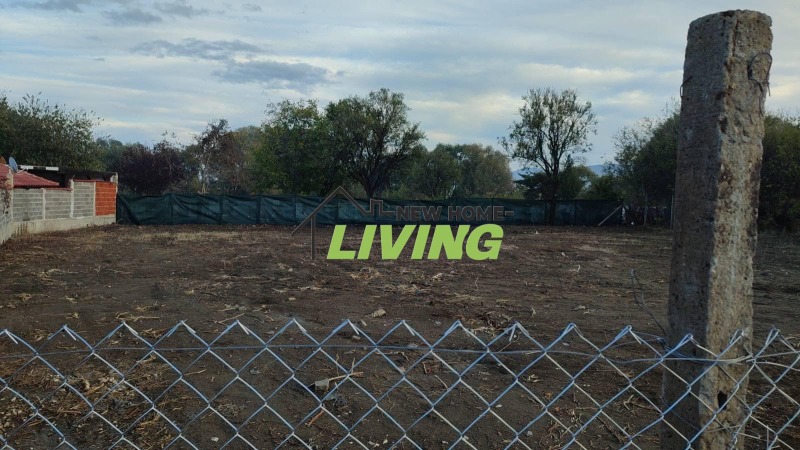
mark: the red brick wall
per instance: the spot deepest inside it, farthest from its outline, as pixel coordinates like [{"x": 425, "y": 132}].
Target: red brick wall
[{"x": 105, "y": 198}]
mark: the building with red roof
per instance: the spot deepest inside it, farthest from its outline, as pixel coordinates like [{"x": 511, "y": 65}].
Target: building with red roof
[
  {"x": 54, "y": 199},
  {"x": 25, "y": 180}
]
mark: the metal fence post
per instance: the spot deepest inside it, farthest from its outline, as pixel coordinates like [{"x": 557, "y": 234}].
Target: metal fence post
[{"x": 718, "y": 174}]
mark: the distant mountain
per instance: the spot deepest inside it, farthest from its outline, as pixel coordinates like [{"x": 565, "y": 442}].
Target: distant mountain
[{"x": 599, "y": 169}]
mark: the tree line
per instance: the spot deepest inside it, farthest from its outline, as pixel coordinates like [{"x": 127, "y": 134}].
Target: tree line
[
  {"x": 643, "y": 169},
  {"x": 365, "y": 143},
  {"x": 369, "y": 145}
]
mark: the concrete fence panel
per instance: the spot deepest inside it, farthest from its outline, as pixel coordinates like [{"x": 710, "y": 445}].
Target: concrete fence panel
[
  {"x": 84, "y": 199},
  {"x": 27, "y": 204},
  {"x": 57, "y": 203}
]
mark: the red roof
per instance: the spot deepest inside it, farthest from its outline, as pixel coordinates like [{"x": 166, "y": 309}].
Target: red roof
[{"x": 24, "y": 179}]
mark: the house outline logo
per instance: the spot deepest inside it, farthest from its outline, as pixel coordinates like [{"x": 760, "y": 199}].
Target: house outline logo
[{"x": 374, "y": 205}]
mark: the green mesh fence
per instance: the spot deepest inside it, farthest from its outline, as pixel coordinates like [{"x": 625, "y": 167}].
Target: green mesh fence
[{"x": 173, "y": 209}]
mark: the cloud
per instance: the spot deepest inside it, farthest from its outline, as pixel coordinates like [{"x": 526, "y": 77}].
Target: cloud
[
  {"x": 179, "y": 8},
  {"x": 463, "y": 66},
  {"x": 196, "y": 48},
  {"x": 276, "y": 75},
  {"x": 132, "y": 16},
  {"x": 56, "y": 5},
  {"x": 300, "y": 77}
]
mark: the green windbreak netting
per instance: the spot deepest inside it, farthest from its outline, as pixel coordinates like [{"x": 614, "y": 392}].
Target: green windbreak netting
[
  {"x": 204, "y": 209},
  {"x": 291, "y": 210},
  {"x": 144, "y": 210},
  {"x": 277, "y": 210}
]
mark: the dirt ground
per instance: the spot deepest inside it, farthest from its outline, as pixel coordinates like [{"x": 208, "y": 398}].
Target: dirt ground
[{"x": 209, "y": 276}]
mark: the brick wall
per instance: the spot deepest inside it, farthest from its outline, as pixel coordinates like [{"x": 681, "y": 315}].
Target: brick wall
[
  {"x": 84, "y": 199},
  {"x": 105, "y": 198}
]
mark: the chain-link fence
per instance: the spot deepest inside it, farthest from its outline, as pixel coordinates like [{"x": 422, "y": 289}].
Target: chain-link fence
[{"x": 365, "y": 388}]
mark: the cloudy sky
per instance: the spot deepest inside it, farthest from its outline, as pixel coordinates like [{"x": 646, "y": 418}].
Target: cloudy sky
[{"x": 147, "y": 67}]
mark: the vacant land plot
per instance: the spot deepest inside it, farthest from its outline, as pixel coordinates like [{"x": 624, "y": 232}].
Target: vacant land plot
[{"x": 545, "y": 278}]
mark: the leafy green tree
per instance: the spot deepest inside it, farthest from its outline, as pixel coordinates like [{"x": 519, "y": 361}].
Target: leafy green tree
[
  {"x": 484, "y": 171},
  {"x": 436, "y": 175},
  {"x": 295, "y": 155},
  {"x": 39, "y": 133},
  {"x": 779, "y": 199},
  {"x": 401, "y": 182},
  {"x": 534, "y": 185},
  {"x": 110, "y": 151},
  {"x": 249, "y": 139},
  {"x": 645, "y": 166},
  {"x": 575, "y": 180},
  {"x": 372, "y": 137},
  {"x": 604, "y": 187},
  {"x": 552, "y": 127},
  {"x": 151, "y": 171},
  {"x": 646, "y": 158},
  {"x": 219, "y": 161}
]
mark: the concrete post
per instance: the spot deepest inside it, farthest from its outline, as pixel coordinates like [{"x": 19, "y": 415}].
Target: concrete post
[{"x": 714, "y": 238}]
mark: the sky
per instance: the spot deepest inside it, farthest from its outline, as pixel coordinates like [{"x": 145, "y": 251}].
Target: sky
[{"x": 150, "y": 67}]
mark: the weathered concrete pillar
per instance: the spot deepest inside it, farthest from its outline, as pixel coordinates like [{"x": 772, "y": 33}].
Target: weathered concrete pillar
[{"x": 714, "y": 238}]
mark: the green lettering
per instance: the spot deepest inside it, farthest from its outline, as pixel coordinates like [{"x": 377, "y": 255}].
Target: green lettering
[
  {"x": 389, "y": 249},
  {"x": 366, "y": 241},
  {"x": 493, "y": 245},
  {"x": 421, "y": 242},
  {"x": 443, "y": 238},
  {"x": 335, "y": 250}
]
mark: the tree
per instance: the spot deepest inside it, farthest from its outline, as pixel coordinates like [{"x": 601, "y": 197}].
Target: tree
[
  {"x": 249, "y": 140},
  {"x": 534, "y": 185},
  {"x": 436, "y": 175},
  {"x": 146, "y": 171},
  {"x": 646, "y": 159},
  {"x": 575, "y": 180},
  {"x": 219, "y": 160},
  {"x": 110, "y": 151},
  {"x": 645, "y": 165},
  {"x": 552, "y": 127},
  {"x": 604, "y": 187},
  {"x": 484, "y": 171},
  {"x": 40, "y": 133},
  {"x": 295, "y": 155},
  {"x": 779, "y": 199},
  {"x": 372, "y": 137}
]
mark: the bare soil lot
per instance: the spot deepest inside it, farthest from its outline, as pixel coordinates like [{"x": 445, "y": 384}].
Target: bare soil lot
[
  {"x": 545, "y": 278},
  {"x": 209, "y": 276}
]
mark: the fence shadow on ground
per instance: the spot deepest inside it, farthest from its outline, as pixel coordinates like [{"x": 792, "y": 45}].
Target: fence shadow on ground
[{"x": 351, "y": 388}]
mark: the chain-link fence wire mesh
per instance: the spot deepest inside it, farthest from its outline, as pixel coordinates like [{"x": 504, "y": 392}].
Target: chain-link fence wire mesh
[{"x": 354, "y": 387}]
